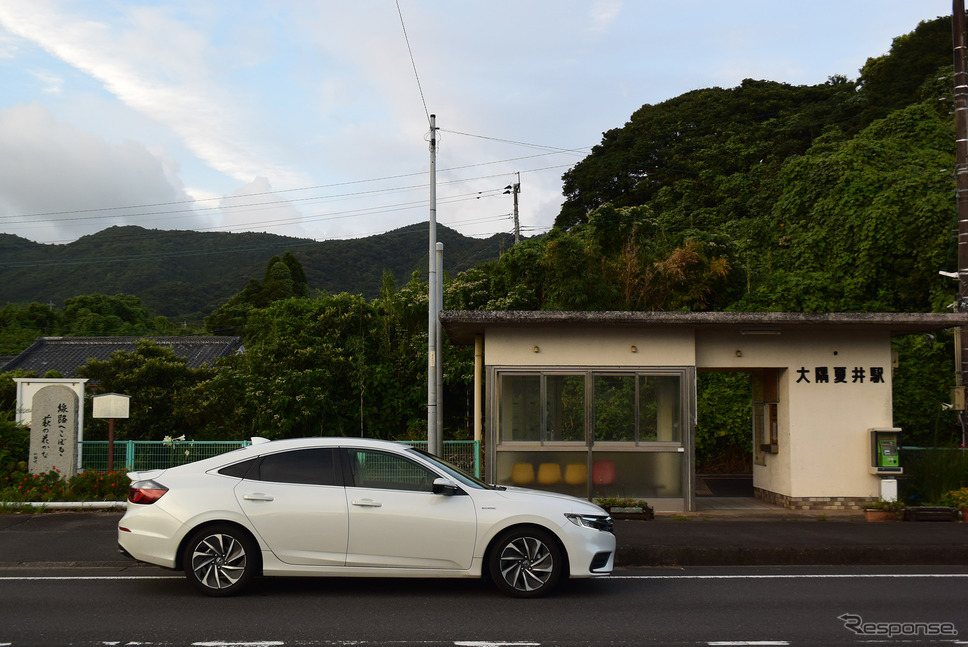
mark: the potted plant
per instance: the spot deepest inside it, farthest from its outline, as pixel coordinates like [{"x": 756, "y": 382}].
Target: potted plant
[
  {"x": 884, "y": 510},
  {"x": 956, "y": 499},
  {"x": 626, "y": 508}
]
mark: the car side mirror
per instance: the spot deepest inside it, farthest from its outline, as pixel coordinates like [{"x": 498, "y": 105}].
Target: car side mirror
[{"x": 445, "y": 487}]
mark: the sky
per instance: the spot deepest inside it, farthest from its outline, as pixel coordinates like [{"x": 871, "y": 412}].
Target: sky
[{"x": 311, "y": 118}]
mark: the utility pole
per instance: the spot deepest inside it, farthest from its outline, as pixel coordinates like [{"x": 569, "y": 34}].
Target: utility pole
[
  {"x": 438, "y": 449},
  {"x": 434, "y": 294},
  {"x": 515, "y": 189},
  {"x": 432, "y": 436},
  {"x": 961, "y": 175}
]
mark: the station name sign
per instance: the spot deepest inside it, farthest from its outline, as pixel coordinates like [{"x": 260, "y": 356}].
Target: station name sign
[{"x": 840, "y": 375}]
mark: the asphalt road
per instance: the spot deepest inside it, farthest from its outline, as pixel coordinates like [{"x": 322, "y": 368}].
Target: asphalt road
[
  {"x": 90, "y": 539},
  {"x": 762, "y": 606}
]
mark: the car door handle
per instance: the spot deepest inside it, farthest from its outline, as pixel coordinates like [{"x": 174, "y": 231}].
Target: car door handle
[
  {"x": 367, "y": 503},
  {"x": 257, "y": 496}
]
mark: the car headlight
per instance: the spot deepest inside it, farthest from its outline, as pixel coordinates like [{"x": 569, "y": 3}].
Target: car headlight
[{"x": 593, "y": 521}]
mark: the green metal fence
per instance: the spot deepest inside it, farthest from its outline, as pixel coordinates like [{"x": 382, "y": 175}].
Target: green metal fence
[
  {"x": 142, "y": 455},
  {"x": 465, "y": 454}
]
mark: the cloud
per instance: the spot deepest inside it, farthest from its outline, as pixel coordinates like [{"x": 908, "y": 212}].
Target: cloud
[
  {"x": 53, "y": 84},
  {"x": 161, "y": 67},
  {"x": 603, "y": 13},
  {"x": 51, "y": 168},
  {"x": 9, "y": 46}
]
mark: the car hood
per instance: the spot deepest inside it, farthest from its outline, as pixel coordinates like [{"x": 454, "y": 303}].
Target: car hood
[{"x": 576, "y": 504}]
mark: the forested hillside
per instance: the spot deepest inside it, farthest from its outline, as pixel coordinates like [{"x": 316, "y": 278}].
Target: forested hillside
[{"x": 188, "y": 274}]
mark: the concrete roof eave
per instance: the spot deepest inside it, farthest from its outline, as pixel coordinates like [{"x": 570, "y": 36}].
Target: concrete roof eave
[{"x": 461, "y": 326}]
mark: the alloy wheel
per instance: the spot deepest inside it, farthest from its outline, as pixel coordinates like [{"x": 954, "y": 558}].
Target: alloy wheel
[
  {"x": 218, "y": 561},
  {"x": 527, "y": 564}
]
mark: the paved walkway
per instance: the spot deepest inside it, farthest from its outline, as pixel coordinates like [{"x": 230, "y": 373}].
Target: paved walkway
[{"x": 709, "y": 503}]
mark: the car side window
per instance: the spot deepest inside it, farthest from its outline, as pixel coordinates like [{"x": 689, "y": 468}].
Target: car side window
[
  {"x": 376, "y": 469},
  {"x": 239, "y": 470},
  {"x": 304, "y": 466}
]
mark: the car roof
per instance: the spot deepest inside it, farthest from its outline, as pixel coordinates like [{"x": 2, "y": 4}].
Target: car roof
[
  {"x": 326, "y": 441},
  {"x": 261, "y": 446}
]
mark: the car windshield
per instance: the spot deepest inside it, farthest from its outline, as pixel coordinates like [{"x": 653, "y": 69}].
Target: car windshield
[{"x": 454, "y": 472}]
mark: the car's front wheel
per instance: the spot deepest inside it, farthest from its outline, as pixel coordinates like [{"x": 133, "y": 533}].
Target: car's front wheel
[
  {"x": 220, "y": 560},
  {"x": 526, "y": 563}
]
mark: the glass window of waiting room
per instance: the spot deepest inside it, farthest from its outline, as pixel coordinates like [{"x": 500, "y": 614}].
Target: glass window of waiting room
[{"x": 602, "y": 404}]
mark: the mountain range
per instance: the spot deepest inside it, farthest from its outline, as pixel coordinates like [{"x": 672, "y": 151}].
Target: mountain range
[{"x": 187, "y": 274}]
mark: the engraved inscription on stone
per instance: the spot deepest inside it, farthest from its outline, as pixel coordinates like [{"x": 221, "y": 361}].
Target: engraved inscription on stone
[{"x": 53, "y": 430}]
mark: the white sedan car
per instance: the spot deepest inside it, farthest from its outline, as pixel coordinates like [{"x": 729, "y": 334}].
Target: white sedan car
[{"x": 356, "y": 508}]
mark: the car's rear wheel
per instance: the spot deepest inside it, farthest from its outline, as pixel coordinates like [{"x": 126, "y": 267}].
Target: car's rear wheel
[
  {"x": 526, "y": 563},
  {"x": 220, "y": 560}
]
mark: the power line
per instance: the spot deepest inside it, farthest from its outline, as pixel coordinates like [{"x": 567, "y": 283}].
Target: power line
[
  {"x": 256, "y": 206},
  {"x": 279, "y": 191},
  {"x": 586, "y": 150},
  {"x": 413, "y": 62}
]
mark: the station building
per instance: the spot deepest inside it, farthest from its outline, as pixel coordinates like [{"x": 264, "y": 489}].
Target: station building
[{"x": 603, "y": 404}]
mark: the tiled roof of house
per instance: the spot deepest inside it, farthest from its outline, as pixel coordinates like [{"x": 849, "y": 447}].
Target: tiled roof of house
[{"x": 66, "y": 354}]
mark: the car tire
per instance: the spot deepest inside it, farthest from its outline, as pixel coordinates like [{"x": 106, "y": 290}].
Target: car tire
[
  {"x": 526, "y": 563},
  {"x": 220, "y": 560}
]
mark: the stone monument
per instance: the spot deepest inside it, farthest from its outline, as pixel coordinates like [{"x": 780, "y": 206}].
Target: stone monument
[{"x": 53, "y": 430}]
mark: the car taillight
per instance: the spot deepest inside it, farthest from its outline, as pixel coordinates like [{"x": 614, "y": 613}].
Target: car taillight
[{"x": 146, "y": 492}]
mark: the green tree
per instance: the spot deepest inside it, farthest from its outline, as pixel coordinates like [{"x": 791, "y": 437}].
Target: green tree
[
  {"x": 20, "y": 325},
  {"x": 922, "y": 382},
  {"x": 284, "y": 278},
  {"x": 619, "y": 259},
  {"x": 724, "y": 436},
  {"x": 300, "y": 287},
  {"x": 333, "y": 365},
  {"x": 891, "y": 82},
  {"x": 685, "y": 150},
  {"x": 100, "y": 314},
  {"x": 866, "y": 222},
  {"x": 14, "y": 443},
  {"x": 159, "y": 384}
]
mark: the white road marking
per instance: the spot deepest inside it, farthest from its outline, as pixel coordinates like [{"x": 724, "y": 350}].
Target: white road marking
[
  {"x": 775, "y": 576},
  {"x": 89, "y": 577},
  {"x": 787, "y": 576}
]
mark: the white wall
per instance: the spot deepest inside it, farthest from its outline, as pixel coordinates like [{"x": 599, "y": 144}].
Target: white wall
[
  {"x": 824, "y": 443},
  {"x": 576, "y": 347}
]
